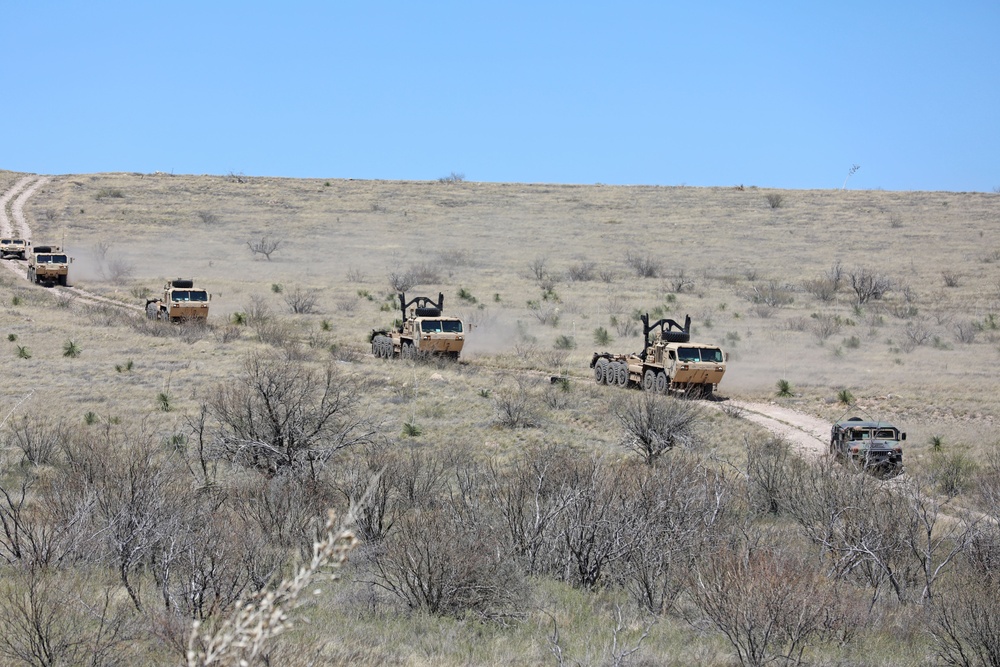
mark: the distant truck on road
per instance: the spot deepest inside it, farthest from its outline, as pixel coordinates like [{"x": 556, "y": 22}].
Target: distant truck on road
[
  {"x": 48, "y": 265},
  {"x": 181, "y": 301},
  {"x": 14, "y": 248}
]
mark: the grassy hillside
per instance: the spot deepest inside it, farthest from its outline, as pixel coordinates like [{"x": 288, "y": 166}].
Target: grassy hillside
[{"x": 536, "y": 270}]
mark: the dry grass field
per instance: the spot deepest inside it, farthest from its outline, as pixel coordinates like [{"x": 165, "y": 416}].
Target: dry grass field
[{"x": 535, "y": 269}]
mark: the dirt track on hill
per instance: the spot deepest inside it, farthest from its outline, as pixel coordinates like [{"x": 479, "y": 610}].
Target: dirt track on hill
[
  {"x": 12, "y": 216},
  {"x": 807, "y": 435}
]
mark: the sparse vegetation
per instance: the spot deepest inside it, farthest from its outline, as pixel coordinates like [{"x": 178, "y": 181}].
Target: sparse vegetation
[{"x": 548, "y": 537}]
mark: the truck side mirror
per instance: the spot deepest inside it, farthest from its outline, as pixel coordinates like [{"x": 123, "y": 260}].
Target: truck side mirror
[{"x": 902, "y": 436}]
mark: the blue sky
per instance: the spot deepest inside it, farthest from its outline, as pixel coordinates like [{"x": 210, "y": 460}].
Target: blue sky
[{"x": 772, "y": 94}]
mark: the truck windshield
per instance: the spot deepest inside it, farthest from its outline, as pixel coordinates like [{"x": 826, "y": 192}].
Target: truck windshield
[
  {"x": 50, "y": 259},
  {"x": 189, "y": 295},
  {"x": 710, "y": 354},
  {"x": 441, "y": 326}
]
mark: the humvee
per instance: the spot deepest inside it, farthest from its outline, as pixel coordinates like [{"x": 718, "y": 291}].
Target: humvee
[
  {"x": 13, "y": 248},
  {"x": 872, "y": 444}
]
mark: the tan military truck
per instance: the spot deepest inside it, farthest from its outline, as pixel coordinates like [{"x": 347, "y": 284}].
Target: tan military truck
[
  {"x": 668, "y": 363},
  {"x": 180, "y": 301},
  {"x": 875, "y": 445},
  {"x": 423, "y": 330},
  {"x": 48, "y": 265},
  {"x": 14, "y": 248}
]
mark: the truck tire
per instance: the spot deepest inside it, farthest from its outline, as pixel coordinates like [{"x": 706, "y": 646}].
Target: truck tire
[
  {"x": 610, "y": 373},
  {"x": 649, "y": 381},
  {"x": 599, "y": 370},
  {"x": 622, "y": 377},
  {"x": 661, "y": 383}
]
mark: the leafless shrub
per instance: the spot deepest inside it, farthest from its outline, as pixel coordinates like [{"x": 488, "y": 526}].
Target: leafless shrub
[
  {"x": 243, "y": 635},
  {"x": 228, "y": 333},
  {"x": 117, "y": 270},
  {"x": 278, "y": 415},
  {"x": 401, "y": 281},
  {"x": 823, "y": 289},
  {"x": 769, "y": 604},
  {"x": 915, "y": 334},
  {"x": 581, "y": 271},
  {"x": 355, "y": 275},
  {"x": 625, "y": 327},
  {"x": 48, "y": 618},
  {"x": 767, "y": 474},
  {"x": 101, "y": 248},
  {"x": 825, "y": 325},
  {"x": 951, "y": 279},
  {"x": 208, "y": 217},
  {"x": 680, "y": 283},
  {"x": 439, "y": 561},
  {"x": 654, "y": 425},
  {"x": 762, "y": 310},
  {"x": 644, "y": 265},
  {"x": 452, "y": 178},
  {"x": 539, "y": 267},
  {"x": 266, "y": 246},
  {"x": 514, "y": 404},
  {"x": 770, "y": 293},
  {"x": 425, "y": 274},
  {"x": 301, "y": 301},
  {"x": 548, "y": 315},
  {"x": 775, "y": 200},
  {"x": 965, "y": 332},
  {"x": 869, "y": 285},
  {"x": 608, "y": 276},
  {"x": 38, "y": 438},
  {"x": 238, "y": 177}
]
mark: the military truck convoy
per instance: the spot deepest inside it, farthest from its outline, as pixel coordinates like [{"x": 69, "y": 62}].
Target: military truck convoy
[
  {"x": 669, "y": 363},
  {"x": 180, "y": 301},
  {"x": 422, "y": 330}
]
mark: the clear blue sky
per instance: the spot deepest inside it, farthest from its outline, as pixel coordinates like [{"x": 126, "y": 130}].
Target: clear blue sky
[{"x": 772, "y": 94}]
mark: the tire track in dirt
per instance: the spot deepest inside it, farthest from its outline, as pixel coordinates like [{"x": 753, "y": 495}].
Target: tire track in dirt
[
  {"x": 19, "y": 193},
  {"x": 807, "y": 435},
  {"x": 6, "y": 224},
  {"x": 17, "y": 209}
]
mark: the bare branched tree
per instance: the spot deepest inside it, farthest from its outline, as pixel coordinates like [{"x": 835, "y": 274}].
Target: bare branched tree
[
  {"x": 869, "y": 285},
  {"x": 266, "y": 246},
  {"x": 279, "y": 415},
  {"x": 654, "y": 424}
]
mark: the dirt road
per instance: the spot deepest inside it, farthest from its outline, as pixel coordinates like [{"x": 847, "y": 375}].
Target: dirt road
[
  {"x": 13, "y": 223},
  {"x": 808, "y": 435}
]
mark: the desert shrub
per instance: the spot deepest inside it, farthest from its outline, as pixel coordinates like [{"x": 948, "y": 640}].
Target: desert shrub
[
  {"x": 433, "y": 562},
  {"x": 38, "y": 438},
  {"x": 953, "y": 474},
  {"x": 644, "y": 265},
  {"x": 825, "y": 325},
  {"x": 514, "y": 404},
  {"x": 869, "y": 285},
  {"x": 601, "y": 336},
  {"x": 680, "y": 505},
  {"x": 301, "y": 300},
  {"x": 581, "y": 271},
  {"x": 279, "y": 415},
  {"x": 767, "y": 474},
  {"x": 266, "y": 245},
  {"x": 654, "y": 425},
  {"x": 784, "y": 388},
  {"x": 775, "y": 200},
  {"x": 770, "y": 604}
]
